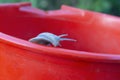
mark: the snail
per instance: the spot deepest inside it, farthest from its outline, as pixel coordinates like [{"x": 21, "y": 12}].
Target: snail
[{"x": 48, "y": 39}]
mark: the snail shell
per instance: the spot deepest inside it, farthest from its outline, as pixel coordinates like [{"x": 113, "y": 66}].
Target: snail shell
[{"x": 47, "y": 38}]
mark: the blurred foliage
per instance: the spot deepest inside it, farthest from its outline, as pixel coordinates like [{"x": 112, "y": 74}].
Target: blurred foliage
[{"x": 105, "y": 6}]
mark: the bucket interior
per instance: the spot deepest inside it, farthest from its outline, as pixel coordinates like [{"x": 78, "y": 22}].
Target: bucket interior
[{"x": 96, "y": 36}]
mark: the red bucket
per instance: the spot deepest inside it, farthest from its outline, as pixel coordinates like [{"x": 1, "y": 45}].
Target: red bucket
[{"x": 95, "y": 55}]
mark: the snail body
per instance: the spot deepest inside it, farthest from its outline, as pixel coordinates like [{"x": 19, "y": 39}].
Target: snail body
[{"x": 47, "y": 39}]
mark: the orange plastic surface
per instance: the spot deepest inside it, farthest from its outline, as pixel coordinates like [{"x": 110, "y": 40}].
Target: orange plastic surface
[{"x": 95, "y": 55}]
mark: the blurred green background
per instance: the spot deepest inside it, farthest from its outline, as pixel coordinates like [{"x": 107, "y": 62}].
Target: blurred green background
[{"x": 105, "y": 6}]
